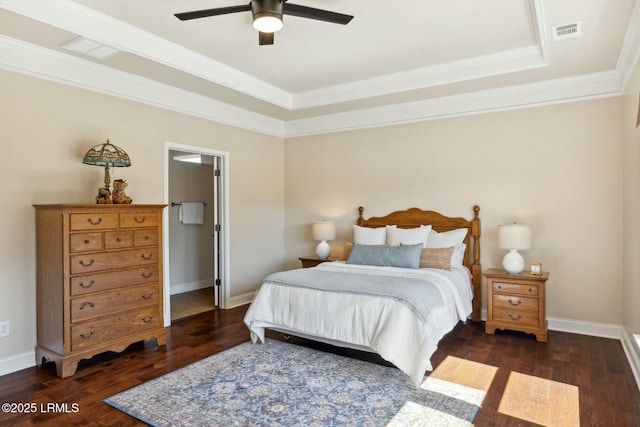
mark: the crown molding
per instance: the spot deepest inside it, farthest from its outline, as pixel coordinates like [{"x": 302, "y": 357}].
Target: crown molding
[
  {"x": 452, "y": 72},
  {"x": 25, "y": 58},
  {"x": 547, "y": 92}
]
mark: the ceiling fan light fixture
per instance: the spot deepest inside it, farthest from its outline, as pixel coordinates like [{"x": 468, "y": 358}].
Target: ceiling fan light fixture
[{"x": 267, "y": 22}]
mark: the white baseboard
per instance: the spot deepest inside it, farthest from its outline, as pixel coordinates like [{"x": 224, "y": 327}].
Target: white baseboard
[
  {"x": 17, "y": 362},
  {"x": 239, "y": 300},
  {"x": 181, "y": 288},
  {"x": 603, "y": 330}
]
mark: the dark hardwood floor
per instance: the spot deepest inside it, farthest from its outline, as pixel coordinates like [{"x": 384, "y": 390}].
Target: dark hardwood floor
[{"x": 608, "y": 393}]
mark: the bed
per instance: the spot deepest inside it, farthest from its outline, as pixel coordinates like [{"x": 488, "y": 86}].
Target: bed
[{"x": 377, "y": 297}]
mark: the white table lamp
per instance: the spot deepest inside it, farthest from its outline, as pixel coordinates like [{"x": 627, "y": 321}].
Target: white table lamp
[
  {"x": 323, "y": 231},
  {"x": 514, "y": 237}
]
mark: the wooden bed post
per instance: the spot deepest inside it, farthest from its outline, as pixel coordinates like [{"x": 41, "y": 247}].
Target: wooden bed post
[
  {"x": 476, "y": 269},
  {"x": 360, "y": 221}
]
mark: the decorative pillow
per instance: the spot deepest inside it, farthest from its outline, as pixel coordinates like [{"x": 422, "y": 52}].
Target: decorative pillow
[
  {"x": 386, "y": 256},
  {"x": 447, "y": 239},
  {"x": 436, "y": 258},
  {"x": 408, "y": 236},
  {"x": 346, "y": 251},
  {"x": 369, "y": 236}
]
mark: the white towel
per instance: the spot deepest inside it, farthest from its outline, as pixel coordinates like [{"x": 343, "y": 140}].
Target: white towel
[{"x": 191, "y": 213}]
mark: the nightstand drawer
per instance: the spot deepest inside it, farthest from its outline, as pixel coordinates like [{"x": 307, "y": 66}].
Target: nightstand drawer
[
  {"x": 515, "y": 316},
  {"x": 515, "y": 302},
  {"x": 514, "y": 288}
]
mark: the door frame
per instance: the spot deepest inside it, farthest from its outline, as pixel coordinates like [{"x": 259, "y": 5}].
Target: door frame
[{"x": 224, "y": 264}]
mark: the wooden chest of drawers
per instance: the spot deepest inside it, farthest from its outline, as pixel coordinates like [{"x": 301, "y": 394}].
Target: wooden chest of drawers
[
  {"x": 516, "y": 302},
  {"x": 99, "y": 280}
]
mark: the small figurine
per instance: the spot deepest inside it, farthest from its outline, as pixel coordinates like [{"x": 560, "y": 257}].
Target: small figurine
[
  {"x": 103, "y": 197},
  {"x": 118, "y": 195}
]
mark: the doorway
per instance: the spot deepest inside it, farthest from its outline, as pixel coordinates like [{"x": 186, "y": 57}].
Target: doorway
[{"x": 195, "y": 241}]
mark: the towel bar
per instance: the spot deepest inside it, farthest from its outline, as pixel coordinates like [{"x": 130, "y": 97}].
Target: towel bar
[{"x": 178, "y": 204}]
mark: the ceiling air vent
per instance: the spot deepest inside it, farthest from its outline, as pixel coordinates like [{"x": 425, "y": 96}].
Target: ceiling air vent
[{"x": 568, "y": 31}]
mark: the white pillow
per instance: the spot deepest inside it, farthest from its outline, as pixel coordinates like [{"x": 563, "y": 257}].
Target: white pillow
[
  {"x": 457, "y": 257},
  {"x": 408, "y": 236},
  {"x": 447, "y": 239},
  {"x": 369, "y": 236}
]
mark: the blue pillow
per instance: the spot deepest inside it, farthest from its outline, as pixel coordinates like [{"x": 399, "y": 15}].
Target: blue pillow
[{"x": 405, "y": 256}]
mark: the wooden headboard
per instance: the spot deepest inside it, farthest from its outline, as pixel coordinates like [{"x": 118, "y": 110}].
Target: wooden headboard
[{"x": 415, "y": 217}]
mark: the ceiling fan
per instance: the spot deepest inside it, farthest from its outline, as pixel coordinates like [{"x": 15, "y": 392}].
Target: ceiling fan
[{"x": 267, "y": 15}]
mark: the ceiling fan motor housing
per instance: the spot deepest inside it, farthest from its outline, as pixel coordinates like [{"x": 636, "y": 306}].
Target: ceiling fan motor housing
[{"x": 266, "y": 9}]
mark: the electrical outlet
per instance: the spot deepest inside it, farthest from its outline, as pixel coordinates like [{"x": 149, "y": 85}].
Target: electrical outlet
[{"x": 4, "y": 329}]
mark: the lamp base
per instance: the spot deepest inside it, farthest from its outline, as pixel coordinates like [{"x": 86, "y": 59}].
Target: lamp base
[
  {"x": 323, "y": 250},
  {"x": 513, "y": 262}
]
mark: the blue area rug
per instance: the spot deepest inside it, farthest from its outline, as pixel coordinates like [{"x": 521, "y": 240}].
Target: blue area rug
[{"x": 282, "y": 384}]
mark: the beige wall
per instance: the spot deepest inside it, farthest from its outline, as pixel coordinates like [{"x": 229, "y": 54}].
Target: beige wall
[
  {"x": 47, "y": 128},
  {"x": 558, "y": 168}
]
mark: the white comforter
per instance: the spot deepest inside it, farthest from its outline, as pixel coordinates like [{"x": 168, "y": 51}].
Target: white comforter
[{"x": 383, "y": 325}]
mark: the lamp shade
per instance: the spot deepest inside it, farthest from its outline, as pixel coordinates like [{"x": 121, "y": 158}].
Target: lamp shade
[
  {"x": 107, "y": 155},
  {"x": 514, "y": 236},
  {"x": 323, "y": 230}
]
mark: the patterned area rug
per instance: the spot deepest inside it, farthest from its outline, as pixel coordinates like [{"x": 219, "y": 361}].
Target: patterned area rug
[{"x": 282, "y": 384}]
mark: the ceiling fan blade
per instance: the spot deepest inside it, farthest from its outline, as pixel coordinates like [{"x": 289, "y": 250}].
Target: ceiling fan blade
[
  {"x": 265, "y": 38},
  {"x": 317, "y": 14},
  {"x": 212, "y": 12}
]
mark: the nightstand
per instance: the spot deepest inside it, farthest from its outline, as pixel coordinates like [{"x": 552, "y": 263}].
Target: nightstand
[
  {"x": 312, "y": 261},
  {"x": 516, "y": 302}
]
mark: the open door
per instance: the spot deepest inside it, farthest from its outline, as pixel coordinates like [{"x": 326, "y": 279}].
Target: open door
[{"x": 217, "y": 229}]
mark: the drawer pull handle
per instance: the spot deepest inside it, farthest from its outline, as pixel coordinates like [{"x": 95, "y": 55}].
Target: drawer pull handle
[
  {"x": 88, "y": 264},
  {"x": 87, "y": 241},
  {"x": 118, "y": 239},
  {"x": 84, "y": 304},
  {"x": 148, "y": 256},
  {"x": 515, "y": 303},
  {"x": 514, "y": 317},
  {"x": 147, "y": 320},
  {"x": 499, "y": 286},
  {"x": 530, "y": 289},
  {"x": 146, "y": 237},
  {"x": 147, "y": 296},
  {"x": 86, "y": 337},
  {"x": 146, "y": 276},
  {"x": 94, "y": 223},
  {"x": 87, "y": 286},
  {"x": 139, "y": 221}
]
